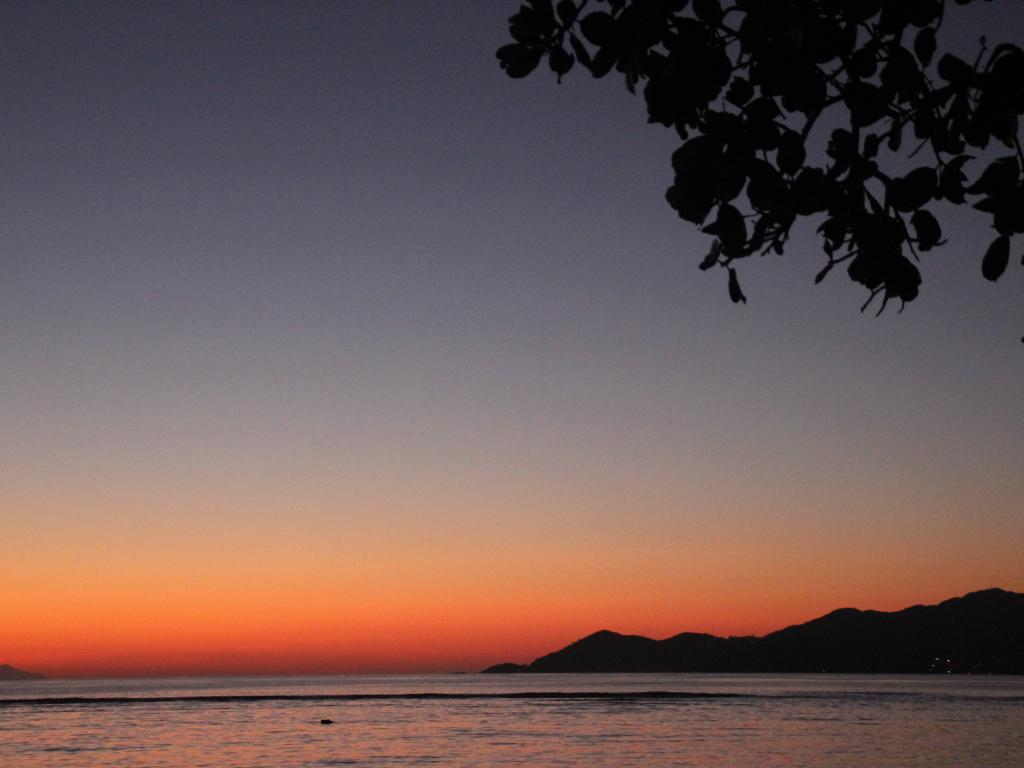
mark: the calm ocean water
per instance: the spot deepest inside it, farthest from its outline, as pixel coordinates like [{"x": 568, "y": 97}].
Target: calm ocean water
[{"x": 483, "y": 720}]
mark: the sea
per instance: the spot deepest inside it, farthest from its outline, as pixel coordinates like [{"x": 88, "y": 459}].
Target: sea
[{"x": 741, "y": 721}]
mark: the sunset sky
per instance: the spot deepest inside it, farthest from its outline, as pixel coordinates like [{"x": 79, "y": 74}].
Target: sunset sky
[{"x": 325, "y": 347}]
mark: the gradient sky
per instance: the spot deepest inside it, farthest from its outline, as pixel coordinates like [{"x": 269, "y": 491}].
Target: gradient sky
[{"x": 326, "y": 347}]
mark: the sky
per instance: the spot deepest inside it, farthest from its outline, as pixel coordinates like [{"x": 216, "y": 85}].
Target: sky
[{"x": 325, "y": 347}]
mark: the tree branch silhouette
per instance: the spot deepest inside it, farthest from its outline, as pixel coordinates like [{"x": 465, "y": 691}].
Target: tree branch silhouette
[{"x": 745, "y": 83}]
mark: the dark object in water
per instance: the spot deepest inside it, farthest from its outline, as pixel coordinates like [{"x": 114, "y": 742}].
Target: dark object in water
[{"x": 326, "y": 721}]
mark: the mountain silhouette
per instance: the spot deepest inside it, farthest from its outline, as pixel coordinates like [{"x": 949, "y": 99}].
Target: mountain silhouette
[
  {"x": 8, "y": 672},
  {"x": 981, "y": 633}
]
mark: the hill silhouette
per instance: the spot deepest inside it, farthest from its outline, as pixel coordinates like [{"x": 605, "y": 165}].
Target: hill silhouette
[
  {"x": 7, "y": 672},
  {"x": 981, "y": 633}
]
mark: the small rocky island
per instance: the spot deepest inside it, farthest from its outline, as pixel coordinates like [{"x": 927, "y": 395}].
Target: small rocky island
[
  {"x": 9, "y": 673},
  {"x": 979, "y": 633}
]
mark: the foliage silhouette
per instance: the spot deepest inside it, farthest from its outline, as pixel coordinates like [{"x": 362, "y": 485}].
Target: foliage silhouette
[{"x": 745, "y": 83}]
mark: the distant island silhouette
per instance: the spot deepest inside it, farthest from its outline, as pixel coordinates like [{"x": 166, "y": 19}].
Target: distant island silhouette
[
  {"x": 7, "y": 672},
  {"x": 980, "y": 633}
]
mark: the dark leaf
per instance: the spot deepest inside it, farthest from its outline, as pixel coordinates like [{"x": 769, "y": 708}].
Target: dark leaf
[
  {"x": 924, "y": 46},
  {"x": 532, "y": 23},
  {"x": 730, "y": 228},
  {"x": 765, "y": 189},
  {"x": 731, "y": 182},
  {"x": 1008, "y": 218},
  {"x": 987, "y": 205},
  {"x": 791, "y": 153},
  {"x": 824, "y": 271},
  {"x": 811, "y": 191},
  {"x": 954, "y": 70},
  {"x": 951, "y": 181},
  {"x": 708, "y": 11},
  {"x": 835, "y": 230},
  {"x": 560, "y": 61},
  {"x": 598, "y": 28},
  {"x": 921, "y": 13},
  {"x": 692, "y": 202},
  {"x": 925, "y": 122},
  {"x": 698, "y": 156},
  {"x": 860, "y": 10},
  {"x": 603, "y": 61},
  {"x": 902, "y": 74},
  {"x": 712, "y": 257},
  {"x": 763, "y": 109},
  {"x": 1010, "y": 56},
  {"x": 998, "y": 178},
  {"x": 867, "y": 103},
  {"x": 544, "y": 9},
  {"x": 567, "y": 11},
  {"x": 895, "y": 137},
  {"x": 927, "y": 228},
  {"x": 913, "y": 190},
  {"x": 902, "y": 279},
  {"x": 740, "y": 92},
  {"x": 895, "y": 16},
  {"x": 867, "y": 268},
  {"x": 996, "y": 258},
  {"x": 976, "y": 131},
  {"x": 864, "y": 63},
  {"x": 842, "y": 147},
  {"x": 735, "y": 293},
  {"x": 518, "y": 60},
  {"x": 759, "y": 235},
  {"x": 871, "y": 144},
  {"x": 697, "y": 165}
]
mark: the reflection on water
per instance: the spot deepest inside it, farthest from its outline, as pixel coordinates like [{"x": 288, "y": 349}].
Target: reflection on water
[{"x": 815, "y": 720}]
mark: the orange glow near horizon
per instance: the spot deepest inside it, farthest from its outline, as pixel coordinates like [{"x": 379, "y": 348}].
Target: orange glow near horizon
[
  {"x": 200, "y": 638},
  {"x": 449, "y": 570},
  {"x": 307, "y": 595}
]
